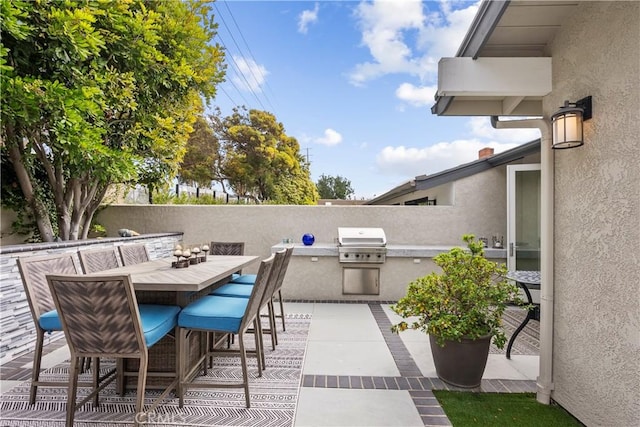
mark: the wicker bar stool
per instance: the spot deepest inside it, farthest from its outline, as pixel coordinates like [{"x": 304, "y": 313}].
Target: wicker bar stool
[
  {"x": 33, "y": 271},
  {"x": 93, "y": 261},
  {"x": 101, "y": 318},
  {"x": 228, "y": 248},
  {"x": 235, "y": 290},
  {"x": 249, "y": 279},
  {"x": 227, "y": 315},
  {"x": 133, "y": 254}
]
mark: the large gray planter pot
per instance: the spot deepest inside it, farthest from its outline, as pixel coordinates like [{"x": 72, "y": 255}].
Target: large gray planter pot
[{"x": 461, "y": 363}]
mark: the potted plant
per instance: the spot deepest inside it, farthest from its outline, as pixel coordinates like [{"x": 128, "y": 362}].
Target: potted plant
[{"x": 461, "y": 310}]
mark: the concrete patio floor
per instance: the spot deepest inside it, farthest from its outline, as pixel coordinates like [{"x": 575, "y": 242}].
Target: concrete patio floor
[{"x": 357, "y": 373}]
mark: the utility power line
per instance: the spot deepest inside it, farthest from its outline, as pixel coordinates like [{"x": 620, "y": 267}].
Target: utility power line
[
  {"x": 266, "y": 83},
  {"x": 234, "y": 63}
]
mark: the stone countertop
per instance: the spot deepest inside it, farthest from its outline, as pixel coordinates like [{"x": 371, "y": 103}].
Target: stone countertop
[
  {"x": 33, "y": 247},
  {"x": 393, "y": 251}
]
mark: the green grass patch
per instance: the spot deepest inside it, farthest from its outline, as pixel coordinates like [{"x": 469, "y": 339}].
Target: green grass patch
[{"x": 501, "y": 409}]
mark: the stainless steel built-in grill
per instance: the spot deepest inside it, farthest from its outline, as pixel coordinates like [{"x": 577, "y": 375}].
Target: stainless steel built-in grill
[
  {"x": 361, "y": 251},
  {"x": 362, "y": 245}
]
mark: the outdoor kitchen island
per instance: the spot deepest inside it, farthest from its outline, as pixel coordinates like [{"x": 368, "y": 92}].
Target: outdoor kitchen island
[{"x": 315, "y": 273}]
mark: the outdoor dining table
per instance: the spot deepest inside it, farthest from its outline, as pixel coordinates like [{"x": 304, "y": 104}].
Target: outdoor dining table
[
  {"x": 527, "y": 280},
  {"x": 157, "y": 282}
]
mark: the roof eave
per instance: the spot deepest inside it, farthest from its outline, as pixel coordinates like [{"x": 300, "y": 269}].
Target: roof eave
[
  {"x": 483, "y": 24},
  {"x": 477, "y": 166},
  {"x": 402, "y": 189}
]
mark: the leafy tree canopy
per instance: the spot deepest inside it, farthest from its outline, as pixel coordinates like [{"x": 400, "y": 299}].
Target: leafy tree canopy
[
  {"x": 260, "y": 160},
  {"x": 96, "y": 93},
  {"x": 334, "y": 187},
  {"x": 200, "y": 163}
]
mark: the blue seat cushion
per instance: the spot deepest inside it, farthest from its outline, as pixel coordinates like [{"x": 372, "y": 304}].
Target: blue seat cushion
[
  {"x": 246, "y": 279},
  {"x": 50, "y": 321},
  {"x": 234, "y": 290},
  {"x": 214, "y": 313},
  {"x": 157, "y": 320},
  {"x": 234, "y": 276}
]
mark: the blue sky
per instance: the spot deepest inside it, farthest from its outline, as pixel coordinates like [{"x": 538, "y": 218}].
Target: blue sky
[{"x": 353, "y": 82}]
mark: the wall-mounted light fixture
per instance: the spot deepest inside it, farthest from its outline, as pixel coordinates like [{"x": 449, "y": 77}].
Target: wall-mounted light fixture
[{"x": 567, "y": 123}]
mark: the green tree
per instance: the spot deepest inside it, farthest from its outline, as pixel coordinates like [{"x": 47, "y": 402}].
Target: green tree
[
  {"x": 200, "y": 163},
  {"x": 98, "y": 93},
  {"x": 334, "y": 187},
  {"x": 261, "y": 161}
]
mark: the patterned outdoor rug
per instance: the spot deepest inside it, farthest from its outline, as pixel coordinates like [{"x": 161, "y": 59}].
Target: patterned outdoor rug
[
  {"x": 273, "y": 396},
  {"x": 528, "y": 340}
]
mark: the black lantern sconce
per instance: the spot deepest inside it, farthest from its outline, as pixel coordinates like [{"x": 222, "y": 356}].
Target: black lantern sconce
[{"x": 567, "y": 123}]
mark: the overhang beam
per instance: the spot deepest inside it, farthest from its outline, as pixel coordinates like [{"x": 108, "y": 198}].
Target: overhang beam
[
  {"x": 493, "y": 107},
  {"x": 510, "y": 103},
  {"x": 500, "y": 77}
]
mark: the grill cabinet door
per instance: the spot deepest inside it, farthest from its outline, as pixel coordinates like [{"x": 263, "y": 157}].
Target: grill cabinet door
[{"x": 360, "y": 281}]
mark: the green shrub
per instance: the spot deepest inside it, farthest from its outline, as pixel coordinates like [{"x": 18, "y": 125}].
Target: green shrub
[{"x": 466, "y": 300}]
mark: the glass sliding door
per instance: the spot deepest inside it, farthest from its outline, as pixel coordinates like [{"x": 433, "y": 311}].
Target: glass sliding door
[{"x": 523, "y": 228}]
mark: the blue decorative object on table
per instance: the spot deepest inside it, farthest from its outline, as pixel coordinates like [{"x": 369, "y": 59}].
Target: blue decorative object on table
[{"x": 308, "y": 239}]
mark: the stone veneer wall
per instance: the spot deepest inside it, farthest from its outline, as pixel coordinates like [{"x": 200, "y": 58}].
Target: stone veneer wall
[
  {"x": 596, "y": 355},
  {"x": 18, "y": 333}
]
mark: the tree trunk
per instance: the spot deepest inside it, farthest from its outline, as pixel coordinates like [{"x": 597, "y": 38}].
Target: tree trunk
[
  {"x": 39, "y": 210},
  {"x": 83, "y": 194},
  {"x": 91, "y": 209}
]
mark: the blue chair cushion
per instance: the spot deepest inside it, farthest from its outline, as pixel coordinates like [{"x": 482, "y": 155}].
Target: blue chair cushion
[
  {"x": 246, "y": 279},
  {"x": 214, "y": 313},
  {"x": 50, "y": 321},
  {"x": 157, "y": 321},
  {"x": 233, "y": 290},
  {"x": 234, "y": 276}
]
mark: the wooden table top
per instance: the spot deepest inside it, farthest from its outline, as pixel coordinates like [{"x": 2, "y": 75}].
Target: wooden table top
[{"x": 158, "y": 275}]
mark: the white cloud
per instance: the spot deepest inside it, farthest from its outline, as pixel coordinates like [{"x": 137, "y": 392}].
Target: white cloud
[
  {"x": 411, "y": 161},
  {"x": 307, "y": 17},
  {"x": 254, "y": 74},
  {"x": 443, "y": 34},
  {"x": 416, "y": 96},
  {"x": 403, "y": 39},
  {"x": 383, "y": 24},
  {"x": 481, "y": 127},
  {"x": 330, "y": 138}
]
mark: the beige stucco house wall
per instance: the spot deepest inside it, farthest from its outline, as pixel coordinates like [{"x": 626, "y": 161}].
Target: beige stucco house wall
[
  {"x": 590, "y": 210},
  {"x": 596, "y": 356}
]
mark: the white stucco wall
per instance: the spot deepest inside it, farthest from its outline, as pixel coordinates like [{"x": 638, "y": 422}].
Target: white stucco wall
[{"x": 596, "y": 354}]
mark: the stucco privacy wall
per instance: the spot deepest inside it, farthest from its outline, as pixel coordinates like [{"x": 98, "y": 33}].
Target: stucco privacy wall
[
  {"x": 596, "y": 356},
  {"x": 480, "y": 209},
  {"x": 18, "y": 331}
]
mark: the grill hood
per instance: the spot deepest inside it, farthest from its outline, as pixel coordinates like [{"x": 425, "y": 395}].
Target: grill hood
[{"x": 361, "y": 236}]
